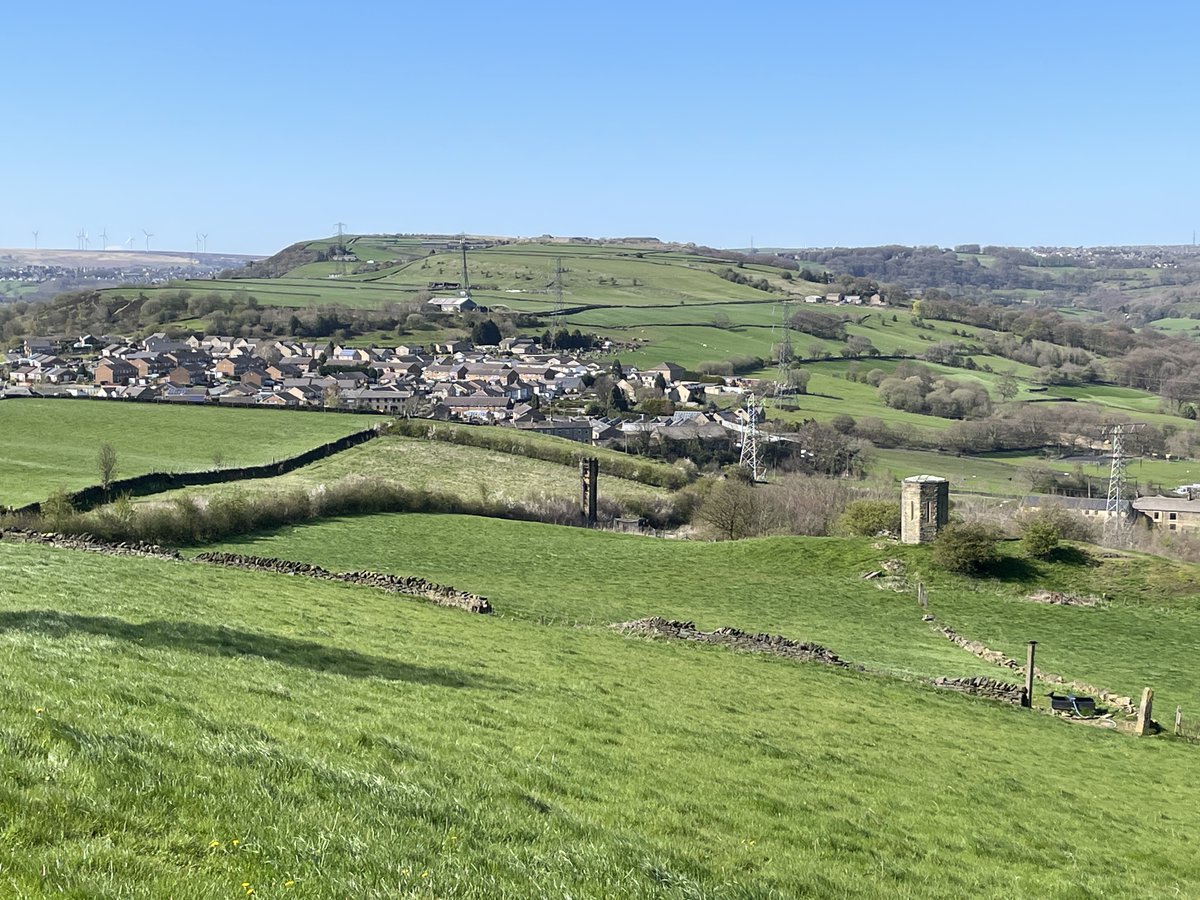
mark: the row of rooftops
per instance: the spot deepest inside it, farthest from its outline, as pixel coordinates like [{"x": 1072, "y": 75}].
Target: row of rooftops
[{"x": 464, "y": 379}]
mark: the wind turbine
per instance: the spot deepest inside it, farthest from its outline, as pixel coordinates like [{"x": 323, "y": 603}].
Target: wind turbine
[
  {"x": 197, "y": 242},
  {"x": 81, "y": 237},
  {"x": 130, "y": 242},
  {"x": 148, "y": 236},
  {"x": 104, "y": 238},
  {"x": 204, "y": 237}
]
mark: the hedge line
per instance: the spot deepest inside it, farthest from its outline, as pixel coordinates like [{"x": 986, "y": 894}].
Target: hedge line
[{"x": 568, "y": 453}]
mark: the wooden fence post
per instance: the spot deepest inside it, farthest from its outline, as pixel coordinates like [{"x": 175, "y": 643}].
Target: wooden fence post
[
  {"x": 1144, "y": 712},
  {"x": 1179, "y": 721},
  {"x": 1027, "y": 700}
]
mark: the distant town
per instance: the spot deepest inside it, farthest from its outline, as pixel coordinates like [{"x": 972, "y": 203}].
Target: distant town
[{"x": 510, "y": 383}]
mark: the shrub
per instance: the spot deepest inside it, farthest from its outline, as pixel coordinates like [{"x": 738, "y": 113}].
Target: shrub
[
  {"x": 969, "y": 549},
  {"x": 871, "y": 518},
  {"x": 1040, "y": 539}
]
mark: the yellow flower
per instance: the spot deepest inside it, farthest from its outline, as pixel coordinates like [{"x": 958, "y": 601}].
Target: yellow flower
[
  {"x": 214, "y": 843},
  {"x": 245, "y": 884},
  {"x": 39, "y": 710},
  {"x": 235, "y": 842},
  {"x": 288, "y": 883},
  {"x": 424, "y": 874}
]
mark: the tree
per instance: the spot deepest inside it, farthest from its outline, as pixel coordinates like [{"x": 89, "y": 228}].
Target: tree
[
  {"x": 1007, "y": 387},
  {"x": 870, "y": 518},
  {"x": 732, "y": 510},
  {"x": 969, "y": 549},
  {"x": 485, "y": 333},
  {"x": 106, "y": 462}
]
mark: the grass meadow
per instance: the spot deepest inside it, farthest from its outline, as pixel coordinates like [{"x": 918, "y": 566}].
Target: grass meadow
[
  {"x": 178, "y": 730},
  {"x": 807, "y": 587},
  {"x": 471, "y": 473},
  {"x": 51, "y": 445}
]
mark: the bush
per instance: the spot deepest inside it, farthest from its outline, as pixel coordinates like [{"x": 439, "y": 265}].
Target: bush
[
  {"x": 870, "y": 518},
  {"x": 968, "y": 549},
  {"x": 1041, "y": 538},
  {"x": 1067, "y": 525}
]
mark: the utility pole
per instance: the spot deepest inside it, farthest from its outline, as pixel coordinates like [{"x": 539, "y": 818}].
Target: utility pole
[
  {"x": 1117, "y": 524},
  {"x": 466, "y": 277},
  {"x": 783, "y": 383},
  {"x": 750, "y": 458},
  {"x": 558, "y": 300},
  {"x": 341, "y": 250}
]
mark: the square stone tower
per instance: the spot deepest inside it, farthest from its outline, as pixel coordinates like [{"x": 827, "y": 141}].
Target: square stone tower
[{"x": 924, "y": 508}]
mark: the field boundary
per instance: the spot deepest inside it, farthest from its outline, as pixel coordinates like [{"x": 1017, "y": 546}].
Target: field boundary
[{"x": 89, "y": 498}]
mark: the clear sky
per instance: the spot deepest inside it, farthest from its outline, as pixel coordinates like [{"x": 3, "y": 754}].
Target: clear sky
[{"x": 787, "y": 123}]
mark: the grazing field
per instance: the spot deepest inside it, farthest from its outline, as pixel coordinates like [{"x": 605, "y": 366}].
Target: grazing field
[
  {"x": 51, "y": 445},
  {"x": 227, "y": 733},
  {"x": 469, "y": 472},
  {"x": 809, "y": 586}
]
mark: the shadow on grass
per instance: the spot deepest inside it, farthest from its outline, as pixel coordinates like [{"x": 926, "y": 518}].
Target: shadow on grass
[
  {"x": 1072, "y": 556},
  {"x": 216, "y": 640},
  {"x": 1013, "y": 568}
]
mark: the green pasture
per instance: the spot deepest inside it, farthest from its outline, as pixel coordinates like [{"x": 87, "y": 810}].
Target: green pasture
[
  {"x": 808, "y": 586},
  {"x": 471, "y": 473},
  {"x": 1177, "y": 327},
  {"x": 231, "y": 734},
  {"x": 51, "y": 445},
  {"x": 1008, "y": 472}
]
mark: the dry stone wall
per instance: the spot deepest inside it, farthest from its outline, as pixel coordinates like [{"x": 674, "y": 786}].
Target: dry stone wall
[
  {"x": 92, "y": 545},
  {"x": 981, "y": 686},
  {"x": 1124, "y": 704},
  {"x": 775, "y": 644},
  {"x": 441, "y": 594}
]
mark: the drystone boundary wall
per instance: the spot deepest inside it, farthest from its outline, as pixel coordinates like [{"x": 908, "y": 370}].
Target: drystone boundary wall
[
  {"x": 981, "y": 686},
  {"x": 89, "y": 498},
  {"x": 733, "y": 638},
  {"x": 1124, "y": 704},
  {"x": 77, "y": 542},
  {"x": 441, "y": 594}
]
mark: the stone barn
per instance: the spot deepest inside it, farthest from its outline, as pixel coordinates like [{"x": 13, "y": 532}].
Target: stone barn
[{"x": 924, "y": 508}]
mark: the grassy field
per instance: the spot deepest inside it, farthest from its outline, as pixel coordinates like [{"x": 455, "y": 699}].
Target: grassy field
[
  {"x": 808, "y": 586},
  {"x": 230, "y": 732},
  {"x": 469, "y": 472},
  {"x": 50, "y": 445}
]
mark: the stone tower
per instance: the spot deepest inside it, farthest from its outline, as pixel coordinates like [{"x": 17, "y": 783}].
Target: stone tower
[{"x": 924, "y": 508}]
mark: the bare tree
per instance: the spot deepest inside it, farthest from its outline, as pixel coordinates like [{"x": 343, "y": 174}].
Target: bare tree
[
  {"x": 106, "y": 462},
  {"x": 734, "y": 510}
]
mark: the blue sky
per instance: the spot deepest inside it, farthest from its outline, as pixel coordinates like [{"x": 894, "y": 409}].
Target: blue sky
[{"x": 791, "y": 124}]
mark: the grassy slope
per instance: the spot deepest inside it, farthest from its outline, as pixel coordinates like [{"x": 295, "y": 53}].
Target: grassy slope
[
  {"x": 47, "y": 445},
  {"x": 469, "y": 472},
  {"x": 329, "y": 741},
  {"x": 808, "y": 587}
]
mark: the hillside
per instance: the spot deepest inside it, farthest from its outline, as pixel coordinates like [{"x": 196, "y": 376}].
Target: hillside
[
  {"x": 1049, "y": 357},
  {"x": 370, "y": 743},
  {"x": 52, "y": 445}
]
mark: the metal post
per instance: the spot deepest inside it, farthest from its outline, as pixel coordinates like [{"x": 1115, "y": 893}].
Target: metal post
[
  {"x": 1178, "y": 721},
  {"x": 1027, "y": 700}
]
